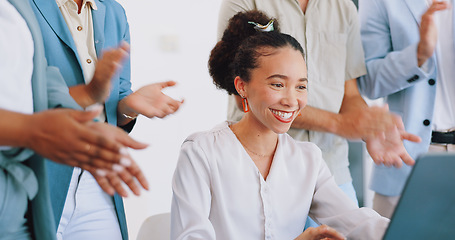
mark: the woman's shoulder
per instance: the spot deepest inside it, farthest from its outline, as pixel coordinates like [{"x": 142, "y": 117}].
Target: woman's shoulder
[{"x": 210, "y": 137}]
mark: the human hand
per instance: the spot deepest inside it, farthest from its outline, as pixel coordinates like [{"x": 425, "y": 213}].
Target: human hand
[
  {"x": 150, "y": 101},
  {"x": 106, "y": 67},
  {"x": 370, "y": 122},
  {"x": 321, "y": 232},
  {"x": 429, "y": 32},
  {"x": 390, "y": 150},
  {"x": 70, "y": 137},
  {"x": 111, "y": 181}
]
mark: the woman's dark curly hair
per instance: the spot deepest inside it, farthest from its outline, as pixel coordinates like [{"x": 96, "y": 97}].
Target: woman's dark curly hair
[{"x": 238, "y": 51}]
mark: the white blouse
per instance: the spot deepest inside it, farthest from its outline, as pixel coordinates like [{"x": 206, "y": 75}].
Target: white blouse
[{"x": 219, "y": 192}]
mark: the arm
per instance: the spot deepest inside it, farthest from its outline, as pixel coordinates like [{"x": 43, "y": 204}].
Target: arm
[
  {"x": 71, "y": 137},
  {"x": 389, "y": 69},
  {"x": 192, "y": 196},
  {"x": 354, "y": 121},
  {"x": 382, "y": 131},
  {"x": 332, "y": 207}
]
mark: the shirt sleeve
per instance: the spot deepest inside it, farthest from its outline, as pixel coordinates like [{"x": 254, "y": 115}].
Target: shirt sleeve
[
  {"x": 389, "y": 70},
  {"x": 331, "y": 206},
  {"x": 191, "y": 195},
  {"x": 125, "y": 74},
  {"x": 57, "y": 90}
]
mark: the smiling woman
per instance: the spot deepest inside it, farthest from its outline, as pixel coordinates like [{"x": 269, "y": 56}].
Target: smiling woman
[{"x": 251, "y": 180}]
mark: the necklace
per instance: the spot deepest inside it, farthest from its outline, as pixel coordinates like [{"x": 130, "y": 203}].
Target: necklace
[
  {"x": 249, "y": 150},
  {"x": 255, "y": 153}
]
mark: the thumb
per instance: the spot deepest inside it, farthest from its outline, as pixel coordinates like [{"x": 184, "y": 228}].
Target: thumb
[
  {"x": 124, "y": 139},
  {"x": 168, "y": 84},
  {"x": 386, "y": 107},
  {"x": 127, "y": 141}
]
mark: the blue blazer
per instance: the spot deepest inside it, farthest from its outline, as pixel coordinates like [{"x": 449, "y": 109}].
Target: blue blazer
[
  {"x": 110, "y": 29},
  {"x": 390, "y": 34},
  {"x": 49, "y": 91}
]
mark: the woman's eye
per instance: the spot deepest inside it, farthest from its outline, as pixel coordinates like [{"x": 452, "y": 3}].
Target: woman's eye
[
  {"x": 277, "y": 84},
  {"x": 302, "y": 87}
]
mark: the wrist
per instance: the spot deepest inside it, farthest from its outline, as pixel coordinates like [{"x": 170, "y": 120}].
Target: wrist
[
  {"x": 131, "y": 116},
  {"x": 125, "y": 111},
  {"x": 422, "y": 57}
]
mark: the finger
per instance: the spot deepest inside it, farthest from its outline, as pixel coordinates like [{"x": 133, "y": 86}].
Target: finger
[
  {"x": 98, "y": 141},
  {"x": 378, "y": 160},
  {"x": 396, "y": 161},
  {"x": 136, "y": 172},
  {"x": 388, "y": 160},
  {"x": 128, "y": 179},
  {"x": 125, "y": 46},
  {"x": 328, "y": 232},
  {"x": 160, "y": 113},
  {"x": 407, "y": 159},
  {"x": 167, "y": 84},
  {"x": 410, "y": 137},
  {"x": 102, "y": 163},
  {"x": 398, "y": 121},
  {"x": 104, "y": 184},
  {"x": 175, "y": 105},
  {"x": 437, "y": 6},
  {"x": 116, "y": 183},
  {"x": 126, "y": 141},
  {"x": 385, "y": 107}
]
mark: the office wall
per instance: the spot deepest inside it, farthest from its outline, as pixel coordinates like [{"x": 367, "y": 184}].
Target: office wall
[{"x": 171, "y": 40}]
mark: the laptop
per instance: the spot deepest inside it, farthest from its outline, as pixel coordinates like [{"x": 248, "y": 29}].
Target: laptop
[{"x": 426, "y": 209}]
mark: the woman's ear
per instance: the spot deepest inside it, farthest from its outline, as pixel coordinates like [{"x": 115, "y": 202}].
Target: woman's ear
[{"x": 240, "y": 86}]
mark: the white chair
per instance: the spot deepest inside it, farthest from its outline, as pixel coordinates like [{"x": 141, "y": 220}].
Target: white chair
[{"x": 156, "y": 227}]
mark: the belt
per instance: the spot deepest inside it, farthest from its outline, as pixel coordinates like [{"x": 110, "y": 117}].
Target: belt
[{"x": 443, "y": 137}]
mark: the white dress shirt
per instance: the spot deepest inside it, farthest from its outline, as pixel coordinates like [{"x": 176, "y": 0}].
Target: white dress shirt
[
  {"x": 219, "y": 192},
  {"x": 444, "y": 106},
  {"x": 81, "y": 28},
  {"x": 16, "y": 61}
]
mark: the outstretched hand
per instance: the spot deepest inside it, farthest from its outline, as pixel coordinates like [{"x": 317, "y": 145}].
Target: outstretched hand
[
  {"x": 321, "y": 232},
  {"x": 389, "y": 150},
  {"x": 383, "y": 133},
  {"x": 150, "y": 101}
]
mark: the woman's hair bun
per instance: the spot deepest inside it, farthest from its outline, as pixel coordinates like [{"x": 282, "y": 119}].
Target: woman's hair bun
[{"x": 223, "y": 54}]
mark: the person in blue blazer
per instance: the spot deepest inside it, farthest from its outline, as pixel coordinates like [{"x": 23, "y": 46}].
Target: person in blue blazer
[
  {"x": 25, "y": 211},
  {"x": 400, "y": 39},
  {"x": 105, "y": 25}
]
